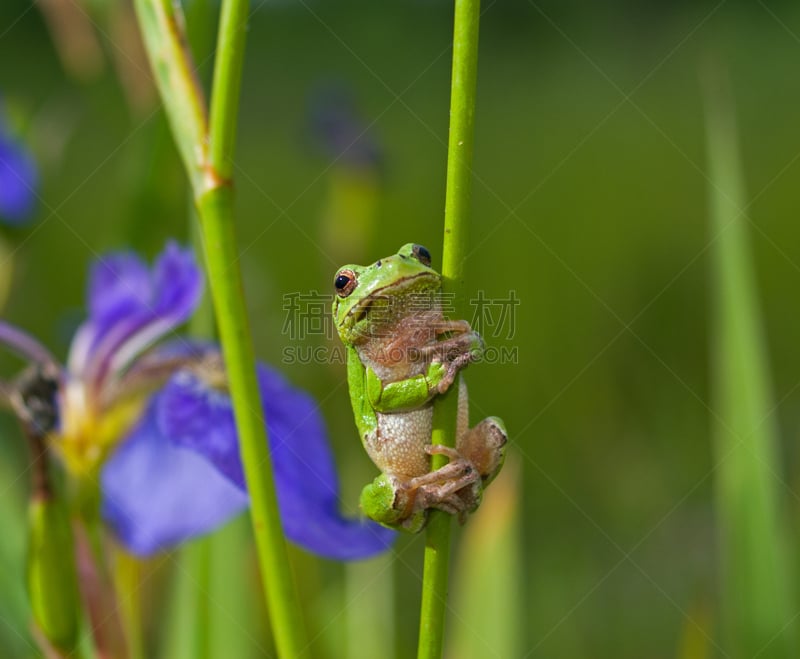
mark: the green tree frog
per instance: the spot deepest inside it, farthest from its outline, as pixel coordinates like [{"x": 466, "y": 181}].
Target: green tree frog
[{"x": 401, "y": 353}]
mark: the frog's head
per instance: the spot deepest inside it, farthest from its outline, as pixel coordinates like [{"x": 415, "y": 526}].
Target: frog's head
[{"x": 365, "y": 294}]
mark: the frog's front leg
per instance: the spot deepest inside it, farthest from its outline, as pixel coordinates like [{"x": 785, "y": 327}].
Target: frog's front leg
[
  {"x": 457, "y": 487},
  {"x": 408, "y": 394},
  {"x": 462, "y": 347}
]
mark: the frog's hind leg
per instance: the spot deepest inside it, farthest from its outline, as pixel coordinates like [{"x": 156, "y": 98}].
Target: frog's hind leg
[
  {"x": 442, "y": 488},
  {"x": 457, "y": 487},
  {"x": 483, "y": 445},
  {"x": 450, "y": 478},
  {"x": 462, "y": 417}
]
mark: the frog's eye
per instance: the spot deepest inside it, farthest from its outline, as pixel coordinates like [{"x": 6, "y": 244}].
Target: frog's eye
[
  {"x": 422, "y": 254},
  {"x": 345, "y": 283}
]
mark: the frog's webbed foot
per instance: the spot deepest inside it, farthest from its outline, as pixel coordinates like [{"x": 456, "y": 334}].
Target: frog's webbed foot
[
  {"x": 405, "y": 503},
  {"x": 455, "y": 488},
  {"x": 484, "y": 446},
  {"x": 440, "y": 488}
]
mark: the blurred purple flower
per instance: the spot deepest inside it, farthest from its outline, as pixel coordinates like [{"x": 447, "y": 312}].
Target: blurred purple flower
[
  {"x": 100, "y": 393},
  {"x": 174, "y": 470},
  {"x": 156, "y": 495},
  {"x": 179, "y": 474},
  {"x": 19, "y": 180},
  {"x": 338, "y": 129}
]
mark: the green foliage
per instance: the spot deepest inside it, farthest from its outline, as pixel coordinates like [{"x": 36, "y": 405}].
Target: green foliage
[
  {"x": 52, "y": 578},
  {"x": 486, "y": 612},
  {"x": 591, "y": 207},
  {"x": 758, "y": 610}
]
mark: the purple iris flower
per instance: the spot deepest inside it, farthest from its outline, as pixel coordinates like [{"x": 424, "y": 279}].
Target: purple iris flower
[
  {"x": 19, "y": 180},
  {"x": 339, "y": 131},
  {"x": 156, "y": 424},
  {"x": 179, "y": 474}
]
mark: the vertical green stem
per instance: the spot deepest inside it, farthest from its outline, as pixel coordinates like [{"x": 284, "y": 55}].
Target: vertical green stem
[
  {"x": 207, "y": 154},
  {"x": 162, "y": 25},
  {"x": 215, "y": 206},
  {"x": 227, "y": 82},
  {"x": 228, "y": 297},
  {"x": 457, "y": 199}
]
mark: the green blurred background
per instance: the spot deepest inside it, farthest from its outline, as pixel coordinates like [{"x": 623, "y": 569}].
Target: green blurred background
[{"x": 589, "y": 204}]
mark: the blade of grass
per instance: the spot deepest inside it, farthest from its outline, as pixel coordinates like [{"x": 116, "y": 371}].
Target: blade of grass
[
  {"x": 187, "y": 634},
  {"x": 207, "y": 154},
  {"x": 212, "y": 600},
  {"x": 457, "y": 199},
  {"x": 163, "y": 32},
  {"x": 490, "y": 601},
  {"x": 127, "y": 578},
  {"x": 755, "y": 577},
  {"x": 15, "y": 637},
  {"x": 369, "y": 591},
  {"x": 233, "y": 602}
]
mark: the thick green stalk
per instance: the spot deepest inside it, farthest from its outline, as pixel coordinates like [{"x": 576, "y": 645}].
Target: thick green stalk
[
  {"x": 51, "y": 575},
  {"x": 227, "y": 82},
  {"x": 163, "y": 31},
  {"x": 228, "y": 297},
  {"x": 209, "y": 169},
  {"x": 227, "y": 294},
  {"x": 457, "y": 199}
]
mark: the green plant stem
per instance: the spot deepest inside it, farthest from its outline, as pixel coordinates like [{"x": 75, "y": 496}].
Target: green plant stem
[
  {"x": 162, "y": 25},
  {"x": 228, "y": 298},
  {"x": 227, "y": 293},
  {"x": 457, "y": 200},
  {"x": 208, "y": 159},
  {"x": 225, "y": 91}
]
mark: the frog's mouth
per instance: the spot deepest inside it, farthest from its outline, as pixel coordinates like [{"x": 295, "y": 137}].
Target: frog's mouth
[{"x": 360, "y": 310}]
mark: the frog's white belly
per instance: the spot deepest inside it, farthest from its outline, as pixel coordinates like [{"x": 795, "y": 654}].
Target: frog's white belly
[{"x": 398, "y": 447}]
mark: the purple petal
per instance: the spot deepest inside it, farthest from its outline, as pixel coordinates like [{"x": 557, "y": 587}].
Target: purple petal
[
  {"x": 117, "y": 283},
  {"x": 338, "y": 129},
  {"x": 18, "y": 182},
  {"x": 191, "y": 412},
  {"x": 199, "y": 418},
  {"x": 157, "y": 495},
  {"x": 130, "y": 307}
]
